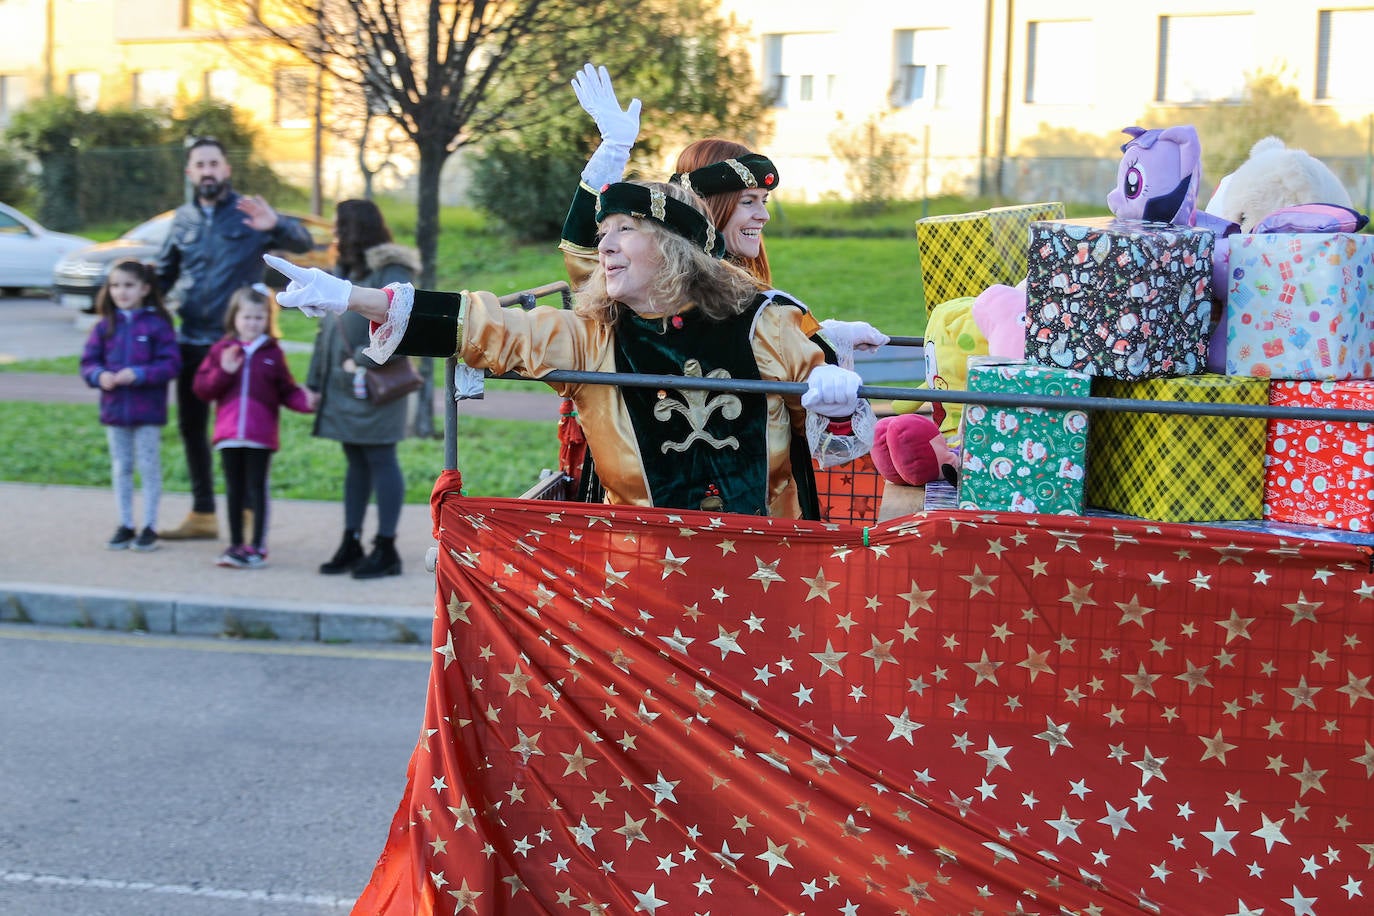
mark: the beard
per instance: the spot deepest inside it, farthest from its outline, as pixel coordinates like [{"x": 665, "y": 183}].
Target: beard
[{"x": 210, "y": 189}]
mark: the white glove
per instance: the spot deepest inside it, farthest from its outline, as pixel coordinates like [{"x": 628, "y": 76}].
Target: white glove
[
  {"x": 832, "y": 392},
  {"x": 315, "y": 292},
  {"x": 597, "y": 97},
  {"x": 468, "y": 383},
  {"x": 619, "y": 127},
  {"x": 858, "y": 334}
]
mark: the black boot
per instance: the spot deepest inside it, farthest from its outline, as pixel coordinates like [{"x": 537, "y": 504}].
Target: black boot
[
  {"x": 348, "y": 555},
  {"x": 382, "y": 561}
]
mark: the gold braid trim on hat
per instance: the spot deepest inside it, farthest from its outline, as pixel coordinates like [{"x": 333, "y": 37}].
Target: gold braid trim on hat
[
  {"x": 658, "y": 207},
  {"x": 710, "y": 245},
  {"x": 686, "y": 181},
  {"x": 743, "y": 172}
]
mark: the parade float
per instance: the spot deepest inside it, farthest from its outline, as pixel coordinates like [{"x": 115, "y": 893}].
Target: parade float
[{"x": 1123, "y": 665}]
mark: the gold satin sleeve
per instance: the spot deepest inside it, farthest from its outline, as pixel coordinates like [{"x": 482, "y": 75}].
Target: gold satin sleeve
[
  {"x": 543, "y": 339},
  {"x": 784, "y": 353},
  {"x": 579, "y": 262}
]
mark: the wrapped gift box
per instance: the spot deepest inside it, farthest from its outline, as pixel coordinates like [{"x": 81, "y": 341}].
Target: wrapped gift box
[
  {"x": 1320, "y": 473},
  {"x": 1299, "y": 306},
  {"x": 1011, "y": 236},
  {"x": 1121, "y": 299},
  {"x": 963, "y": 254},
  {"x": 1179, "y": 467},
  {"x": 953, "y": 251},
  {"x": 1023, "y": 459}
]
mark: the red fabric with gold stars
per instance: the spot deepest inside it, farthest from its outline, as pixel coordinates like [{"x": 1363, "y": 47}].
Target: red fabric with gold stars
[{"x": 639, "y": 711}]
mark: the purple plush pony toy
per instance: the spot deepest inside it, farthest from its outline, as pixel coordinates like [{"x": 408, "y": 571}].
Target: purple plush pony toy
[{"x": 1158, "y": 180}]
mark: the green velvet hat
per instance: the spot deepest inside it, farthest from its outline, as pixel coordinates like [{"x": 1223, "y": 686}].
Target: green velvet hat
[
  {"x": 751, "y": 170},
  {"x": 651, "y": 203}
]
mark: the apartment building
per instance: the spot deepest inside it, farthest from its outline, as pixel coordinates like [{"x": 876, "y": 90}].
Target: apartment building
[
  {"x": 974, "y": 83},
  {"x": 105, "y": 53}
]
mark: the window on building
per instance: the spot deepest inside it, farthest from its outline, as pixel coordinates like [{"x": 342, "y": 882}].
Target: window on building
[
  {"x": 1343, "y": 40},
  {"x": 919, "y": 68},
  {"x": 1203, "y": 58},
  {"x": 221, "y": 85},
  {"x": 796, "y": 68},
  {"x": 14, "y": 93},
  {"x": 84, "y": 89},
  {"x": 155, "y": 88},
  {"x": 292, "y": 97},
  {"x": 1059, "y": 61}
]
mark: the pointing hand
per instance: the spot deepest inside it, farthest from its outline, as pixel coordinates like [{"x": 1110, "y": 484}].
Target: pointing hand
[{"x": 315, "y": 292}]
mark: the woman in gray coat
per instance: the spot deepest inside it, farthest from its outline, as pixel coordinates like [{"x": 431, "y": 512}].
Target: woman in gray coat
[{"x": 366, "y": 256}]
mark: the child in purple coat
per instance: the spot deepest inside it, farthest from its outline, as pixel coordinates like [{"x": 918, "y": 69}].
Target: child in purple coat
[
  {"x": 132, "y": 357},
  {"x": 246, "y": 376}
]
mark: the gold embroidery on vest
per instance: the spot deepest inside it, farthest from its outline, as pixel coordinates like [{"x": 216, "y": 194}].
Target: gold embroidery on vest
[{"x": 698, "y": 409}]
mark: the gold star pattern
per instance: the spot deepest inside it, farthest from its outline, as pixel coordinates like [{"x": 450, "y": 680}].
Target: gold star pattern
[{"x": 640, "y": 702}]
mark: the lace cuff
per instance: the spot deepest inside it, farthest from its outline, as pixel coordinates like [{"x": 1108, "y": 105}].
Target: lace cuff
[
  {"x": 837, "y": 442},
  {"x": 387, "y": 336}
]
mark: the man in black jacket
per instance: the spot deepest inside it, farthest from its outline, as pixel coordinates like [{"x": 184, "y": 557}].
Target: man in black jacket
[{"x": 215, "y": 246}]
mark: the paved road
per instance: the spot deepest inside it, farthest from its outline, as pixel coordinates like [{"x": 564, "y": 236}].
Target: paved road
[{"x": 184, "y": 777}]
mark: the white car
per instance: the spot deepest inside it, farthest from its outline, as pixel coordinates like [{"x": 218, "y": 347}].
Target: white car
[{"x": 28, "y": 251}]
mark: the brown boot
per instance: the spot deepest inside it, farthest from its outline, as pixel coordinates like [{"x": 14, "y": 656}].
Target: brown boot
[{"x": 198, "y": 526}]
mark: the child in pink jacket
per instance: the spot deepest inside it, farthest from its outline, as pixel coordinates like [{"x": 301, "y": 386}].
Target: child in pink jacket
[{"x": 246, "y": 376}]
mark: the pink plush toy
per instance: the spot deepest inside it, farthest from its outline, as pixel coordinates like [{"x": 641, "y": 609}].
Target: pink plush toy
[
  {"x": 1000, "y": 313},
  {"x": 909, "y": 449}
]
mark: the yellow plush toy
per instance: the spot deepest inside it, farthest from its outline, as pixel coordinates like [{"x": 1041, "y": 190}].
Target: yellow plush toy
[{"x": 952, "y": 336}]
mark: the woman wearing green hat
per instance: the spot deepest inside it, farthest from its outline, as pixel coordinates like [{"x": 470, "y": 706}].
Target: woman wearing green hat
[
  {"x": 732, "y": 181},
  {"x": 659, "y": 301}
]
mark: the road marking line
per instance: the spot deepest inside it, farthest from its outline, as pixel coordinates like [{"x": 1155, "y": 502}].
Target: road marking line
[
  {"x": 148, "y": 887},
  {"x": 197, "y": 643}
]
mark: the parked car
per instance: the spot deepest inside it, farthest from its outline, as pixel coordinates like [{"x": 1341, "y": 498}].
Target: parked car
[
  {"x": 77, "y": 278},
  {"x": 28, "y": 251}
]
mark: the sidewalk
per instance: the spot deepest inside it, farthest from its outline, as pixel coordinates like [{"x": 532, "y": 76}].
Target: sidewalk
[{"x": 55, "y": 570}]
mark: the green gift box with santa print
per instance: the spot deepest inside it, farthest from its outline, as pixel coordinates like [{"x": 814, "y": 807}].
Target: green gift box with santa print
[{"x": 1024, "y": 459}]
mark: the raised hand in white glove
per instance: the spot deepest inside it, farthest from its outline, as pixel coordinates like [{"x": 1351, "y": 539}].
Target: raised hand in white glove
[
  {"x": 858, "y": 334},
  {"x": 315, "y": 292},
  {"x": 831, "y": 391},
  {"x": 597, "y": 97}
]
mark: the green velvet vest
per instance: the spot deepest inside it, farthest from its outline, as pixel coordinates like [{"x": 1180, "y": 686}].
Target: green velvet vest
[{"x": 701, "y": 449}]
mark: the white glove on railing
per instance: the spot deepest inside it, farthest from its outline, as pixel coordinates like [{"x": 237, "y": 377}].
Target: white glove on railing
[
  {"x": 468, "y": 383},
  {"x": 619, "y": 127},
  {"x": 315, "y": 292},
  {"x": 831, "y": 391},
  {"x": 860, "y": 335}
]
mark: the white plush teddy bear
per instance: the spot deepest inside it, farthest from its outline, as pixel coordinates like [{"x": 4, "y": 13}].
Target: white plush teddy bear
[{"x": 1272, "y": 178}]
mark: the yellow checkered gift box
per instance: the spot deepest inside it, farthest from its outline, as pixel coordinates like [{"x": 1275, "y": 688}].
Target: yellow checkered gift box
[
  {"x": 962, "y": 254},
  {"x": 954, "y": 251},
  {"x": 1179, "y": 467},
  {"x": 1011, "y": 236}
]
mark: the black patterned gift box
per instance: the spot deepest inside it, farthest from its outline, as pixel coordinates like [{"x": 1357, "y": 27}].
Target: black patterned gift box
[
  {"x": 1121, "y": 299},
  {"x": 1179, "y": 467}
]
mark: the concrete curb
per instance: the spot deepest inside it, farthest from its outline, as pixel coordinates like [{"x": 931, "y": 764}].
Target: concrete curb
[{"x": 199, "y": 615}]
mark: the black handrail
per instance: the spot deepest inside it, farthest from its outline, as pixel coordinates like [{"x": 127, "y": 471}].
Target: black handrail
[{"x": 874, "y": 392}]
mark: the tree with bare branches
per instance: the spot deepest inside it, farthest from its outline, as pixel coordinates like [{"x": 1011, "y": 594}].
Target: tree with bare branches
[{"x": 451, "y": 73}]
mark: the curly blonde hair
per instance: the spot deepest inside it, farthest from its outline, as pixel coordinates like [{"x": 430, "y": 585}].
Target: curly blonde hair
[{"x": 689, "y": 275}]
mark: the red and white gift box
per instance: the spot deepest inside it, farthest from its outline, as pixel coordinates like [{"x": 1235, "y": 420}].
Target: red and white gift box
[{"x": 1318, "y": 472}]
